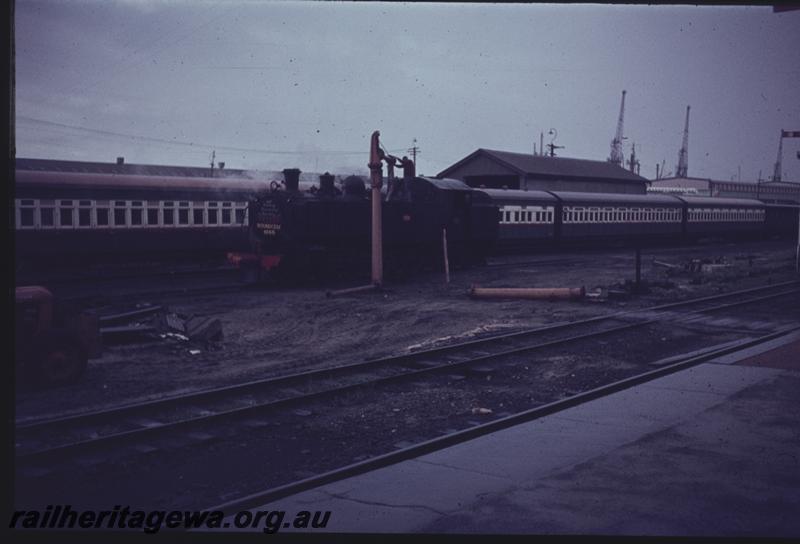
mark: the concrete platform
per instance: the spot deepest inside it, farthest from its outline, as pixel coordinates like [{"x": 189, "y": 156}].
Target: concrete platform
[{"x": 710, "y": 451}]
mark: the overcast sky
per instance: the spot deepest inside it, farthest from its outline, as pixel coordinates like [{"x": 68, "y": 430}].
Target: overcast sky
[{"x": 272, "y": 85}]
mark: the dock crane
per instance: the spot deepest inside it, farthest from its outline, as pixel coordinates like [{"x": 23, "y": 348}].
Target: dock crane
[
  {"x": 682, "y": 170},
  {"x": 616, "y": 144},
  {"x": 776, "y": 176}
]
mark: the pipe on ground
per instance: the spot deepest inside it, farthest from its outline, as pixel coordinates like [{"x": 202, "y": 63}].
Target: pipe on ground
[
  {"x": 535, "y": 293},
  {"x": 350, "y": 290}
]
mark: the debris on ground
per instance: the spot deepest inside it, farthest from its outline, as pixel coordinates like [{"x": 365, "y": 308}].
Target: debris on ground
[{"x": 146, "y": 321}]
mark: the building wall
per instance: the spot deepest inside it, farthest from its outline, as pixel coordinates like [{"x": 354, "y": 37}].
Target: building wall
[
  {"x": 702, "y": 185},
  {"x": 768, "y": 192}
]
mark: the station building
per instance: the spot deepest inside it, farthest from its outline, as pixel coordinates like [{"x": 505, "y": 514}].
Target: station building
[{"x": 502, "y": 169}]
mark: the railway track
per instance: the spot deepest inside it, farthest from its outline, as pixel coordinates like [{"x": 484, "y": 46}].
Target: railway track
[
  {"x": 171, "y": 283},
  {"x": 190, "y": 418},
  {"x": 447, "y": 439}
]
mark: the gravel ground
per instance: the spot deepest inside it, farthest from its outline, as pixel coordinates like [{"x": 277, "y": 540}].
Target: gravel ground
[{"x": 275, "y": 330}]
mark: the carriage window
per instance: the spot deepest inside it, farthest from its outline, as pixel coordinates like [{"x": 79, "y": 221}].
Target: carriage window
[
  {"x": 137, "y": 213},
  {"x": 102, "y": 217},
  {"x": 152, "y": 212},
  {"x": 26, "y": 217},
  {"x": 213, "y": 213},
  {"x": 516, "y": 217},
  {"x": 47, "y": 216},
  {"x": 241, "y": 213},
  {"x": 169, "y": 213},
  {"x": 85, "y": 217},
  {"x": 226, "y": 213},
  {"x": 85, "y": 213},
  {"x": 119, "y": 213},
  {"x": 65, "y": 218},
  {"x": 197, "y": 215},
  {"x": 508, "y": 217},
  {"x": 26, "y": 210},
  {"x": 183, "y": 213}
]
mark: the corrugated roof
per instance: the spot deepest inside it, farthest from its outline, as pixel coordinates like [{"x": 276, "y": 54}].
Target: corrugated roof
[
  {"x": 155, "y": 170},
  {"x": 50, "y": 165},
  {"x": 718, "y": 201},
  {"x": 610, "y": 199},
  {"x": 561, "y": 167},
  {"x": 518, "y": 195}
]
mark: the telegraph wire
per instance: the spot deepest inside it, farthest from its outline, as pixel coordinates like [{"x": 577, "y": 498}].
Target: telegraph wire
[{"x": 153, "y": 139}]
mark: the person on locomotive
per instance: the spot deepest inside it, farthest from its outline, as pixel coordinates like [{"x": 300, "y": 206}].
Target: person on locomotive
[{"x": 399, "y": 188}]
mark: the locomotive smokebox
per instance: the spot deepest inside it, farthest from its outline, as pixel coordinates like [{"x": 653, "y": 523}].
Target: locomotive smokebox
[
  {"x": 292, "y": 178},
  {"x": 326, "y": 186}
]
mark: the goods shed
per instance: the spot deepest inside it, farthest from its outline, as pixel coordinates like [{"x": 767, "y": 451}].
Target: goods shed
[{"x": 502, "y": 169}]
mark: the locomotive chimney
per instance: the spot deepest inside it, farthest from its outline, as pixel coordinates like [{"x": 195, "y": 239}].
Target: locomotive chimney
[
  {"x": 326, "y": 186},
  {"x": 120, "y": 160},
  {"x": 292, "y": 178}
]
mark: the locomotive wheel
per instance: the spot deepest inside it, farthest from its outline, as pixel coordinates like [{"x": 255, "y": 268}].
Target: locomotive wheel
[{"x": 61, "y": 359}]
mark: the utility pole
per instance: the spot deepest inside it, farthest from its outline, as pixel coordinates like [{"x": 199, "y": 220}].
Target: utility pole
[
  {"x": 414, "y": 150},
  {"x": 554, "y": 133},
  {"x": 616, "y": 156},
  {"x": 633, "y": 163},
  {"x": 213, "y": 156},
  {"x": 682, "y": 169}
]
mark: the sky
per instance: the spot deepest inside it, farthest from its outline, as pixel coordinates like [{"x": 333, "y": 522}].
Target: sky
[{"x": 268, "y": 85}]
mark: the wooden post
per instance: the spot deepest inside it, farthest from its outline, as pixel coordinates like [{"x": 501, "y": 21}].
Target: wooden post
[
  {"x": 797, "y": 252},
  {"x": 446, "y": 262},
  {"x": 638, "y": 269}
]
